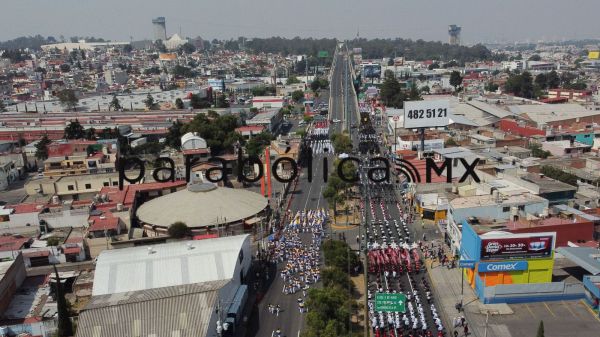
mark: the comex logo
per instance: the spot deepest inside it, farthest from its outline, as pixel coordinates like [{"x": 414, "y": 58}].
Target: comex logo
[{"x": 411, "y": 173}]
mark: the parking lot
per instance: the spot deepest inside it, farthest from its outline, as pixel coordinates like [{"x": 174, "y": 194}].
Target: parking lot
[{"x": 561, "y": 319}]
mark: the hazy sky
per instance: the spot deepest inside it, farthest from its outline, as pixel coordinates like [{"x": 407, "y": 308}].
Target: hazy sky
[{"x": 482, "y": 20}]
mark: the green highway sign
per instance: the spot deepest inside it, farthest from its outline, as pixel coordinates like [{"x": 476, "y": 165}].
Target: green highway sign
[
  {"x": 390, "y": 302},
  {"x": 323, "y": 53}
]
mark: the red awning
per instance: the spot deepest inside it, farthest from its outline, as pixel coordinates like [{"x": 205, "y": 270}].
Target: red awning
[{"x": 205, "y": 236}]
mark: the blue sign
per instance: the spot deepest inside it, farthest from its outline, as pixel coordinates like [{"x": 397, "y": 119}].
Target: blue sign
[
  {"x": 489, "y": 267},
  {"x": 466, "y": 263}
]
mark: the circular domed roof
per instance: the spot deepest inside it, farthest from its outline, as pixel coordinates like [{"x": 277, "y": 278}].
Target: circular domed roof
[{"x": 199, "y": 206}]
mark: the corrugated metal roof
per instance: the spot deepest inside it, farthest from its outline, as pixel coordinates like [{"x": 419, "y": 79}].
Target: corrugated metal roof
[
  {"x": 183, "y": 311},
  {"x": 170, "y": 264}
]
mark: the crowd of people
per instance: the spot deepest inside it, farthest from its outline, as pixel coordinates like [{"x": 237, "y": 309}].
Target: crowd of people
[{"x": 301, "y": 258}]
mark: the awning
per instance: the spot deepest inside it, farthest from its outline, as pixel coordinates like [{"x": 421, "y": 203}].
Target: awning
[
  {"x": 586, "y": 257},
  {"x": 252, "y": 221}
]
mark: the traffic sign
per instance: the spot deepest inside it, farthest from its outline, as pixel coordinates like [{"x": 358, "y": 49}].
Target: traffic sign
[
  {"x": 323, "y": 54},
  {"x": 389, "y": 302},
  {"x": 466, "y": 263}
]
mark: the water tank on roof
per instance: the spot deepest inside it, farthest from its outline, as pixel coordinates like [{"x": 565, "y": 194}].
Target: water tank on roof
[
  {"x": 55, "y": 199},
  {"x": 119, "y": 207}
]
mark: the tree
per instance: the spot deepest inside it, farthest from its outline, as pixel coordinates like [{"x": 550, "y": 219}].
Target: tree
[
  {"x": 65, "y": 327},
  {"x": 74, "y": 130},
  {"x": 127, "y": 48},
  {"x": 520, "y": 85},
  {"x": 257, "y": 143},
  {"x": 41, "y": 148},
  {"x": 450, "y": 142},
  {"x": 90, "y": 134},
  {"x": 341, "y": 143},
  {"x": 197, "y": 102},
  {"x": 179, "y": 103},
  {"x": 65, "y": 68},
  {"x": 297, "y": 95},
  {"x": 2, "y": 107},
  {"x": 53, "y": 241},
  {"x": 455, "y": 80},
  {"x": 292, "y": 80},
  {"x": 535, "y": 57},
  {"x": 160, "y": 46},
  {"x": 553, "y": 80},
  {"x": 541, "y": 80},
  {"x": 491, "y": 86},
  {"x": 221, "y": 101},
  {"x": 178, "y": 230},
  {"x": 114, "y": 104},
  {"x": 536, "y": 151},
  {"x": 149, "y": 102},
  {"x": 68, "y": 99},
  {"x": 540, "y": 331},
  {"x": 173, "y": 138},
  {"x": 187, "y": 48}
]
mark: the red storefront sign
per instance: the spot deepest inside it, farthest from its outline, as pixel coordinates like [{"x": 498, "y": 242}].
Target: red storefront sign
[{"x": 516, "y": 247}]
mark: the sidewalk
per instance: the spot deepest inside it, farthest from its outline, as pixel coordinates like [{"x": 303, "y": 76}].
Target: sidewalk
[{"x": 447, "y": 288}]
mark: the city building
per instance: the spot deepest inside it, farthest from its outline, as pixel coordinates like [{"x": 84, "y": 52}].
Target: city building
[
  {"x": 181, "y": 288},
  {"x": 270, "y": 120},
  {"x": 160, "y": 28},
  {"x": 492, "y": 206},
  {"x": 454, "y": 34}
]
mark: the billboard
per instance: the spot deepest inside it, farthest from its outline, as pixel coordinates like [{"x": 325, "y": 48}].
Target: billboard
[
  {"x": 594, "y": 55},
  {"x": 357, "y": 51},
  {"x": 323, "y": 54},
  {"x": 517, "y": 246},
  {"x": 426, "y": 114},
  {"x": 371, "y": 71}
]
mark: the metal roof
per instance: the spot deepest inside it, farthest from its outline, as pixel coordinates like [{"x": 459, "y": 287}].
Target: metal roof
[
  {"x": 577, "y": 212},
  {"x": 164, "y": 265},
  {"x": 183, "y": 311},
  {"x": 586, "y": 257}
]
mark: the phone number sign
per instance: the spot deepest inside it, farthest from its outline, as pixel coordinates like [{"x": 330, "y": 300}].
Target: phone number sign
[
  {"x": 426, "y": 114},
  {"x": 390, "y": 302}
]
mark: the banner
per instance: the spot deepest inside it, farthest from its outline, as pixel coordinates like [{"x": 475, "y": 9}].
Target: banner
[{"x": 513, "y": 247}]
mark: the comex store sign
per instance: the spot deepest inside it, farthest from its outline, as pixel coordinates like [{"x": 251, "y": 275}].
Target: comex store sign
[{"x": 502, "y": 266}]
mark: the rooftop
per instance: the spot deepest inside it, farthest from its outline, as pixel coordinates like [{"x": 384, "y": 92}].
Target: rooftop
[
  {"x": 165, "y": 265},
  {"x": 548, "y": 185},
  {"x": 489, "y": 200},
  {"x": 586, "y": 257}
]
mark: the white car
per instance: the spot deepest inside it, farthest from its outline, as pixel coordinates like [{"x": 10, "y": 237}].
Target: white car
[{"x": 336, "y": 120}]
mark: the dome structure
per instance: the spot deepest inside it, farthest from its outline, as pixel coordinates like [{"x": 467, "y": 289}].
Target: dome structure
[
  {"x": 202, "y": 205},
  {"x": 191, "y": 141}
]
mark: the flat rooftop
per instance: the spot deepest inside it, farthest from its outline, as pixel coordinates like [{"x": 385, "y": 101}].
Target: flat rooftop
[{"x": 489, "y": 200}]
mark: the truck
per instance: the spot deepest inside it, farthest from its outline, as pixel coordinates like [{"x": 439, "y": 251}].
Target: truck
[{"x": 236, "y": 309}]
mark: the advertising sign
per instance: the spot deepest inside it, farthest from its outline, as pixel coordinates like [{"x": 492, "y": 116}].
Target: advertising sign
[
  {"x": 489, "y": 267},
  {"x": 466, "y": 263},
  {"x": 323, "y": 54},
  {"x": 426, "y": 114},
  {"x": 517, "y": 246},
  {"x": 371, "y": 71},
  {"x": 390, "y": 302},
  {"x": 356, "y": 50}
]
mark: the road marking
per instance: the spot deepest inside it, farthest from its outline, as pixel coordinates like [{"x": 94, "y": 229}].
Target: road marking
[
  {"x": 308, "y": 196},
  {"x": 569, "y": 308},
  {"x": 529, "y": 309},
  {"x": 590, "y": 310},
  {"x": 320, "y": 195},
  {"x": 547, "y": 307}
]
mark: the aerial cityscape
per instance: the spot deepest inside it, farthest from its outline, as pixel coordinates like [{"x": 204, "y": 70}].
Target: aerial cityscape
[{"x": 267, "y": 174}]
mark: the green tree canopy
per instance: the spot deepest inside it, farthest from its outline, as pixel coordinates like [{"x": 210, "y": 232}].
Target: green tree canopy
[
  {"x": 297, "y": 95},
  {"x": 149, "y": 102},
  {"x": 74, "y": 130},
  {"x": 68, "y": 99},
  {"x": 178, "y": 230},
  {"x": 455, "y": 80},
  {"x": 41, "y": 148},
  {"x": 179, "y": 103},
  {"x": 115, "y": 105}
]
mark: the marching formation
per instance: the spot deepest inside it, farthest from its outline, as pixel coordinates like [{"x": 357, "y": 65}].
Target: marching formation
[
  {"x": 394, "y": 263},
  {"x": 318, "y": 135},
  {"x": 301, "y": 258}
]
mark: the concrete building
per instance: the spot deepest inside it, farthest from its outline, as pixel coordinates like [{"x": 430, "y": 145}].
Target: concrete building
[
  {"x": 491, "y": 206},
  {"x": 160, "y": 28},
  {"x": 178, "y": 289},
  {"x": 270, "y": 120},
  {"x": 566, "y": 148},
  {"x": 268, "y": 102},
  {"x": 454, "y": 34}
]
